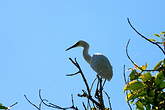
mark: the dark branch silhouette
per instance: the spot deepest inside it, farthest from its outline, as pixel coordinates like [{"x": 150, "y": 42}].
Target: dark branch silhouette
[
  {"x": 109, "y": 102},
  {"x": 88, "y": 93},
  {"x": 125, "y": 80},
  {"x": 92, "y": 102},
  {"x": 13, "y": 104},
  {"x": 38, "y": 108},
  {"x": 99, "y": 103},
  {"x": 51, "y": 105},
  {"x": 145, "y": 37},
  {"x": 134, "y": 62}
]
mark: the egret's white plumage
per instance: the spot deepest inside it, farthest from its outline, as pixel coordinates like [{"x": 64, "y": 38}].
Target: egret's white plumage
[{"x": 99, "y": 63}]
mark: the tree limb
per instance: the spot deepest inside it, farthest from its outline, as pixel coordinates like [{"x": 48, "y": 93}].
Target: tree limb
[
  {"x": 32, "y": 103},
  {"x": 89, "y": 96},
  {"x": 51, "y": 105},
  {"x": 145, "y": 37}
]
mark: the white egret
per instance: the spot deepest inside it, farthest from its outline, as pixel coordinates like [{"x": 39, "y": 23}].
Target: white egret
[{"x": 99, "y": 63}]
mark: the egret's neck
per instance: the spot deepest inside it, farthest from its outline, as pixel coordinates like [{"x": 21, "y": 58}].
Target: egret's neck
[{"x": 86, "y": 55}]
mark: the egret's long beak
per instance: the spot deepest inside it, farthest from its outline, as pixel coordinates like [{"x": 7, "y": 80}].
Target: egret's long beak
[{"x": 75, "y": 45}]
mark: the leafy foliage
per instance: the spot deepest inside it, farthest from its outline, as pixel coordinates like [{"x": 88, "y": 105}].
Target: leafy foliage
[
  {"x": 146, "y": 88},
  {"x": 160, "y": 36},
  {"x": 3, "y": 107}
]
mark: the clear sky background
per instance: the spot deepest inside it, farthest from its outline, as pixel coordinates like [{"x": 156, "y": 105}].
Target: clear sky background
[{"x": 35, "y": 33}]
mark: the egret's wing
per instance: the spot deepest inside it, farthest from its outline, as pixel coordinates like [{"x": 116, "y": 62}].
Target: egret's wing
[{"x": 101, "y": 66}]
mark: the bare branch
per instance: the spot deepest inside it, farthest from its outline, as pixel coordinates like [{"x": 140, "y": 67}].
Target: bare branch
[
  {"x": 51, "y": 105},
  {"x": 88, "y": 104},
  {"x": 125, "y": 80},
  {"x": 48, "y": 105},
  {"x": 40, "y": 105},
  {"x": 73, "y": 106},
  {"x": 85, "y": 108},
  {"x": 78, "y": 66},
  {"x": 31, "y": 103},
  {"x": 72, "y": 100},
  {"x": 145, "y": 37},
  {"x": 13, "y": 104},
  {"x": 88, "y": 95},
  {"x": 134, "y": 62},
  {"x": 129, "y": 56},
  {"x": 73, "y": 74},
  {"x": 92, "y": 84},
  {"x": 109, "y": 102},
  {"x": 126, "y": 91}
]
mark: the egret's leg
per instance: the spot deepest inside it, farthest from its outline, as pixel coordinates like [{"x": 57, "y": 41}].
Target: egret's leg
[
  {"x": 101, "y": 85},
  {"x": 101, "y": 92},
  {"x": 104, "y": 83}
]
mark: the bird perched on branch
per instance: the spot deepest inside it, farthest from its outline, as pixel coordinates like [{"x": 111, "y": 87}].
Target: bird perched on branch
[{"x": 99, "y": 63}]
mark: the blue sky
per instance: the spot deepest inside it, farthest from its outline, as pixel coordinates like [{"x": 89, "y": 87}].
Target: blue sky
[{"x": 35, "y": 33}]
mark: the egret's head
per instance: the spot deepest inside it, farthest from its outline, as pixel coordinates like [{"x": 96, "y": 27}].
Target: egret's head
[{"x": 80, "y": 43}]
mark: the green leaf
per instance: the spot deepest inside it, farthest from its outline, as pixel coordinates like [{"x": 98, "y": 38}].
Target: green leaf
[
  {"x": 151, "y": 93},
  {"x": 145, "y": 76},
  {"x": 148, "y": 107},
  {"x": 159, "y": 42},
  {"x": 162, "y": 33},
  {"x": 157, "y": 35},
  {"x": 139, "y": 105},
  {"x": 158, "y": 65},
  {"x": 161, "y": 95},
  {"x": 134, "y": 85},
  {"x": 159, "y": 79},
  {"x": 153, "y": 40},
  {"x": 162, "y": 84},
  {"x": 129, "y": 96},
  {"x": 135, "y": 94},
  {"x": 133, "y": 75},
  {"x": 3, "y": 107}
]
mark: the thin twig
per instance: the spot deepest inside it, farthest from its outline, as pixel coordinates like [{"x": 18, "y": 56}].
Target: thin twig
[
  {"x": 85, "y": 108},
  {"x": 109, "y": 102},
  {"x": 126, "y": 83},
  {"x": 48, "y": 105},
  {"x": 73, "y": 106},
  {"x": 92, "y": 84},
  {"x": 73, "y": 74},
  {"x": 51, "y": 105},
  {"x": 31, "y": 103},
  {"x": 72, "y": 99},
  {"x": 129, "y": 56},
  {"x": 88, "y": 104},
  {"x": 80, "y": 71},
  {"x": 144, "y": 36},
  {"x": 133, "y": 61},
  {"x": 125, "y": 80},
  {"x": 40, "y": 105},
  {"x": 149, "y": 70},
  {"x": 13, "y": 104}
]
